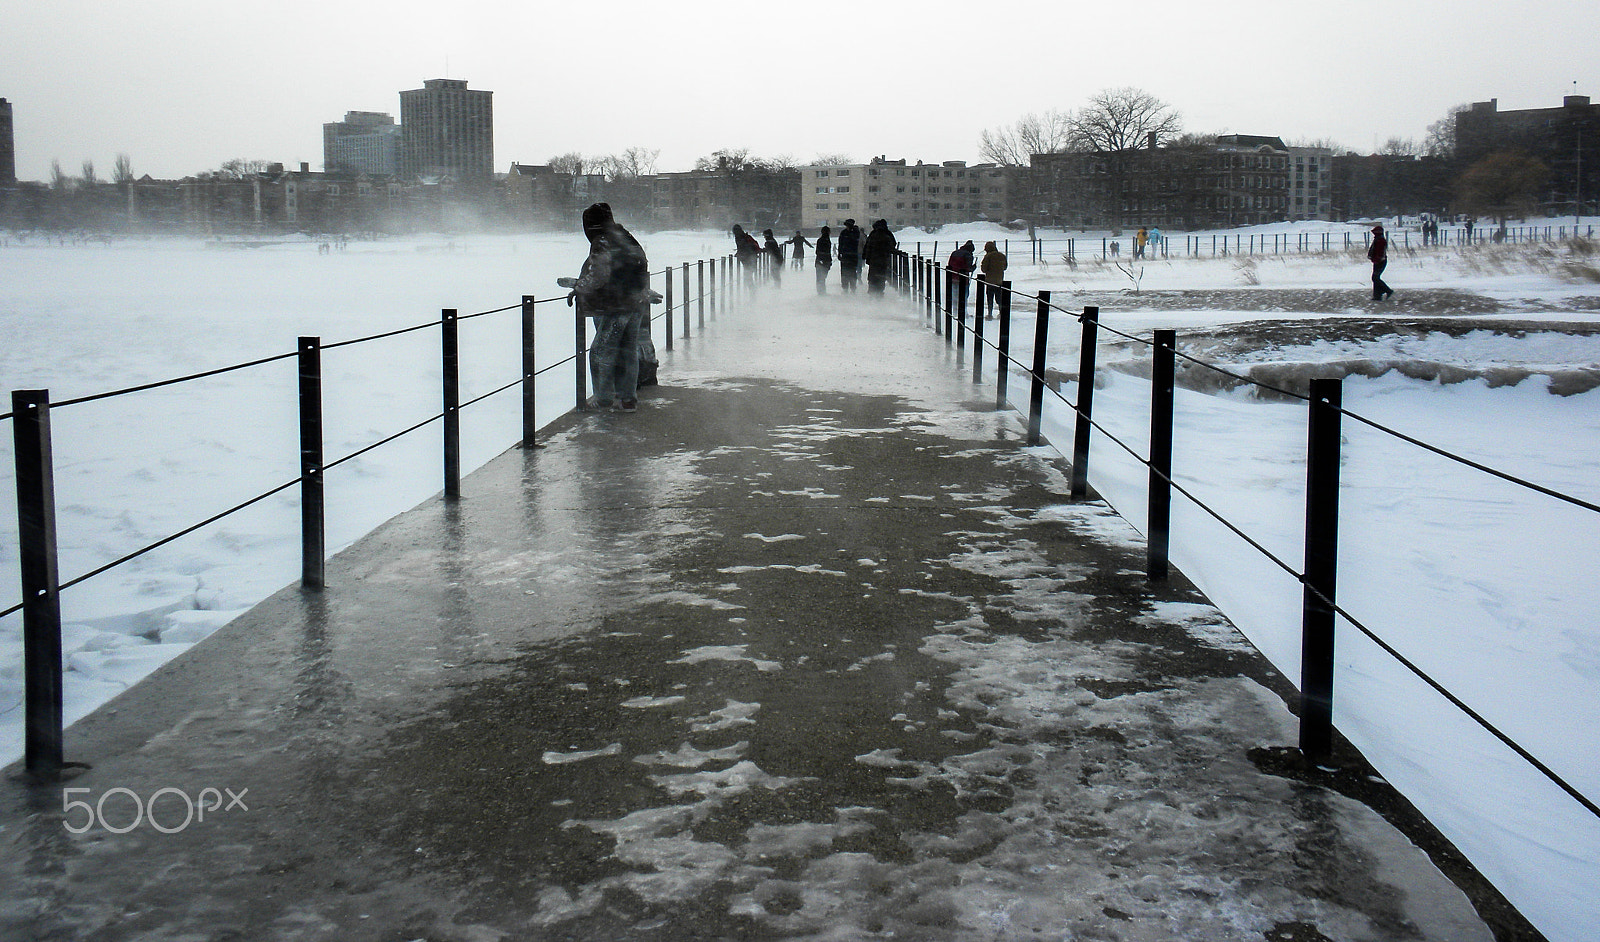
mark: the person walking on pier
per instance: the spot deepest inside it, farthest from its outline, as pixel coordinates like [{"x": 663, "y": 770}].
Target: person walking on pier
[
  {"x": 614, "y": 290},
  {"x": 824, "y": 259},
  {"x": 849, "y": 255},
  {"x": 1378, "y": 255},
  {"x": 879, "y": 255}
]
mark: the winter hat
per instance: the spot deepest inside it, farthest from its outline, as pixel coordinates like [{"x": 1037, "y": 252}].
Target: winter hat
[
  {"x": 597, "y": 219},
  {"x": 990, "y": 247},
  {"x": 849, "y": 222}
]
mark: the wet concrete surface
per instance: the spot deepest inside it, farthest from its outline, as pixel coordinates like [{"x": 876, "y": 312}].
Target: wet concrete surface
[{"x": 810, "y": 647}]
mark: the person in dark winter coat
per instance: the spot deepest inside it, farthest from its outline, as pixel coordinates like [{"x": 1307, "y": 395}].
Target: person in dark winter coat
[
  {"x": 992, "y": 271},
  {"x": 879, "y": 255},
  {"x": 824, "y": 259},
  {"x": 1378, "y": 255},
  {"x": 962, "y": 263},
  {"x": 849, "y": 249},
  {"x": 799, "y": 254},
  {"x": 774, "y": 256},
  {"x": 614, "y": 290},
  {"x": 748, "y": 251}
]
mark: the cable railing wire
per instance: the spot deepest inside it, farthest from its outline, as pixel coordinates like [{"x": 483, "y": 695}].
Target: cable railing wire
[
  {"x": 1301, "y": 578},
  {"x": 1378, "y": 426},
  {"x": 169, "y": 382}
]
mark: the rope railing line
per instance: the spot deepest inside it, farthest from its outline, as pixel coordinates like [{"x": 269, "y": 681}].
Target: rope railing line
[
  {"x": 1301, "y": 578},
  {"x": 1291, "y": 394},
  {"x": 552, "y": 366},
  {"x": 381, "y": 442},
  {"x": 498, "y": 310},
  {"x": 387, "y": 333},
  {"x": 1576, "y": 501},
  {"x": 492, "y": 392},
  {"x": 1456, "y": 701},
  {"x": 165, "y": 540},
  {"x": 169, "y": 382}
]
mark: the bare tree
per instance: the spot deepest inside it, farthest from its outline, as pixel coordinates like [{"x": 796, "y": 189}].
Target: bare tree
[
  {"x": 1401, "y": 147},
  {"x": 1320, "y": 143},
  {"x": 832, "y": 160},
  {"x": 1013, "y": 146},
  {"x": 90, "y": 178},
  {"x": 638, "y": 161},
  {"x": 572, "y": 163},
  {"x": 59, "y": 181},
  {"x": 1440, "y": 139},
  {"x": 728, "y": 158},
  {"x": 122, "y": 170},
  {"x": 1118, "y": 119}
]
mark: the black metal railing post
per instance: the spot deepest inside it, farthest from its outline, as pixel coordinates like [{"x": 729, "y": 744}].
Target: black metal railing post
[
  {"x": 977, "y": 333},
  {"x": 949, "y": 302},
  {"x": 685, "y": 303},
  {"x": 667, "y": 320},
  {"x": 1322, "y": 552},
  {"x": 1162, "y": 377},
  {"x": 450, "y": 369},
  {"x": 700, "y": 291},
  {"x": 1003, "y": 341},
  {"x": 313, "y": 528},
  {"x": 1080, "y": 437},
  {"x": 580, "y": 332},
  {"x": 41, "y": 591},
  {"x": 1041, "y": 338},
  {"x": 530, "y": 382}
]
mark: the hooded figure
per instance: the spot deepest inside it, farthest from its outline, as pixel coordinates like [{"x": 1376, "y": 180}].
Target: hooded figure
[
  {"x": 747, "y": 250},
  {"x": 849, "y": 255},
  {"x": 774, "y": 255},
  {"x": 614, "y": 289},
  {"x": 962, "y": 264},
  {"x": 824, "y": 258},
  {"x": 992, "y": 272},
  {"x": 879, "y": 254},
  {"x": 1378, "y": 255}
]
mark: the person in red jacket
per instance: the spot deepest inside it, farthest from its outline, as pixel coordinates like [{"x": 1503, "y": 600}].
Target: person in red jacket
[{"x": 1378, "y": 255}]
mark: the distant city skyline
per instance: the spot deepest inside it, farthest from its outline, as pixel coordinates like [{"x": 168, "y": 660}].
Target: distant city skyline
[{"x": 181, "y": 93}]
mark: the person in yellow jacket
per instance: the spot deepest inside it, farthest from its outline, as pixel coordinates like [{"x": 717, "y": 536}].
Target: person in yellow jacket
[{"x": 991, "y": 271}]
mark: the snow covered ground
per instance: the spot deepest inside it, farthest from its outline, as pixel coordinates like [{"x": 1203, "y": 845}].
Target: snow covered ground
[{"x": 1481, "y": 583}]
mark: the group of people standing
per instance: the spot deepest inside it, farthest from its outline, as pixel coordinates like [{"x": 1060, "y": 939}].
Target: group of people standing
[
  {"x": 852, "y": 249},
  {"x": 989, "y": 272}
]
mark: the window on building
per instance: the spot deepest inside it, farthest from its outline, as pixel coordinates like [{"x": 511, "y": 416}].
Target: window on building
[
  {"x": 822, "y": 206},
  {"x": 842, "y": 189},
  {"x": 841, "y": 205}
]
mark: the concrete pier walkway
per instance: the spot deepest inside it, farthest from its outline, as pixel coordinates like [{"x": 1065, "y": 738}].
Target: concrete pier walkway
[{"x": 810, "y": 647}]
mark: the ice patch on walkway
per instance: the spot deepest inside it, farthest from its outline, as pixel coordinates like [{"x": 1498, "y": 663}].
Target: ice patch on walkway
[{"x": 725, "y": 652}]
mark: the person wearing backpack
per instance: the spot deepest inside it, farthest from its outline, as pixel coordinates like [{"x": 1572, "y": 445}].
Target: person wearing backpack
[
  {"x": 614, "y": 290},
  {"x": 849, "y": 255}
]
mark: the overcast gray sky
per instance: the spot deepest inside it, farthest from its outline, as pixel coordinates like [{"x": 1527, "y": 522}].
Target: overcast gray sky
[{"x": 183, "y": 85}]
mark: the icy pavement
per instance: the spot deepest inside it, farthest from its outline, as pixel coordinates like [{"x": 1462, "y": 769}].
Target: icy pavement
[{"x": 806, "y": 648}]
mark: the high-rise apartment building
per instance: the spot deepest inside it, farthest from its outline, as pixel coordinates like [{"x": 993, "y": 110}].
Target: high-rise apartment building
[
  {"x": 447, "y": 129},
  {"x": 364, "y": 142},
  {"x": 8, "y": 148}
]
